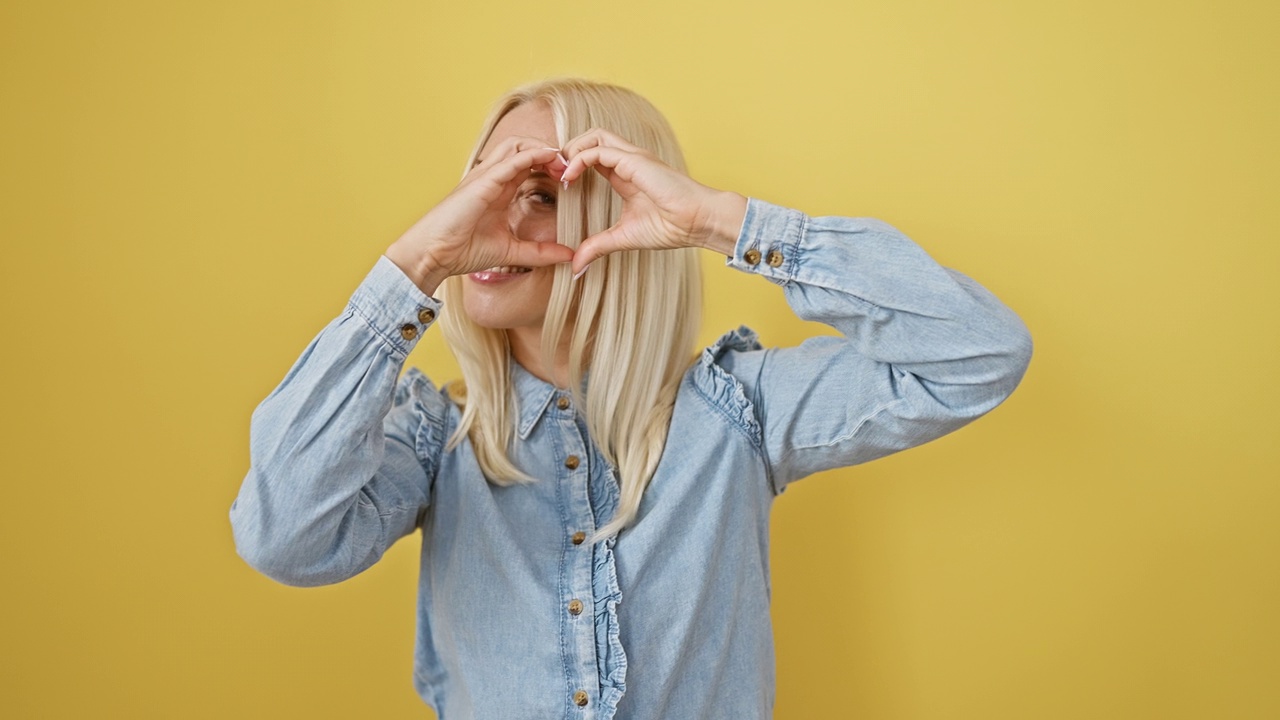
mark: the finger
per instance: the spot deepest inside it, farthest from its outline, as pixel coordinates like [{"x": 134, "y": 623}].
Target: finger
[
  {"x": 526, "y": 253},
  {"x": 597, "y": 246},
  {"x": 556, "y": 167},
  {"x": 596, "y": 137},
  {"x": 501, "y": 177},
  {"x": 621, "y": 162},
  {"x": 501, "y": 153},
  {"x": 606, "y": 172},
  {"x": 505, "y": 149}
]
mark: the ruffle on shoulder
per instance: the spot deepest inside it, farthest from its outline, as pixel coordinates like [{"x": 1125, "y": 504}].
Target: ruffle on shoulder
[
  {"x": 433, "y": 408},
  {"x": 724, "y": 391}
]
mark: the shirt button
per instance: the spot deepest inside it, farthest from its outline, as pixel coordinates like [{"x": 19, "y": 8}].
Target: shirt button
[
  {"x": 575, "y": 607},
  {"x": 571, "y": 462},
  {"x": 580, "y": 698},
  {"x": 562, "y": 402},
  {"x": 578, "y": 537},
  {"x": 752, "y": 256},
  {"x": 426, "y": 315},
  {"x": 774, "y": 258},
  {"x": 408, "y": 331}
]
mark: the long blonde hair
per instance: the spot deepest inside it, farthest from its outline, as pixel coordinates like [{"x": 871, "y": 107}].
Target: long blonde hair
[{"x": 637, "y": 312}]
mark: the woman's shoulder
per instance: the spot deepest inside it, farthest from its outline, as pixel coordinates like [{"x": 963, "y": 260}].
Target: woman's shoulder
[
  {"x": 416, "y": 393},
  {"x": 740, "y": 339},
  {"x": 724, "y": 376},
  {"x": 737, "y": 352}
]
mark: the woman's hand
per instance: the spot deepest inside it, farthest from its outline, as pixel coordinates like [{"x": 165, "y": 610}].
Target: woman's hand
[
  {"x": 469, "y": 229},
  {"x": 662, "y": 208}
]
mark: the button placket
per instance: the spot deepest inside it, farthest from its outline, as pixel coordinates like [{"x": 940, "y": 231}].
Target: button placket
[{"x": 578, "y": 581}]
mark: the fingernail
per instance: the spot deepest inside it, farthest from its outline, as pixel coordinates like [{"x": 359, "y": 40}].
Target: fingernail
[
  {"x": 560, "y": 157},
  {"x": 584, "y": 269},
  {"x": 556, "y": 149}
]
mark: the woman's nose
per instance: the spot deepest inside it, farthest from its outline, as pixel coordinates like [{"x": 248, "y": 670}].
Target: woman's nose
[{"x": 531, "y": 226}]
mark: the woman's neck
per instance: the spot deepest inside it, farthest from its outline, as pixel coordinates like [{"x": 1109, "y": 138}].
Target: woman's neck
[{"x": 526, "y": 349}]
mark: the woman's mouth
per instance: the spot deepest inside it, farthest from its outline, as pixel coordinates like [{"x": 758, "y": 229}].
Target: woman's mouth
[{"x": 499, "y": 274}]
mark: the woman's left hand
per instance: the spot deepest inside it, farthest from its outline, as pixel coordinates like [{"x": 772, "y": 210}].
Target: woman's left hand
[{"x": 662, "y": 208}]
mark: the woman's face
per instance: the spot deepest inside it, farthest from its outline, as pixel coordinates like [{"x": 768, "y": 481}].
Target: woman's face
[{"x": 514, "y": 298}]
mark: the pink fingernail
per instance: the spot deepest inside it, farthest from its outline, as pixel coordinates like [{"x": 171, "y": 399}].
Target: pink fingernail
[
  {"x": 584, "y": 269},
  {"x": 561, "y": 158}
]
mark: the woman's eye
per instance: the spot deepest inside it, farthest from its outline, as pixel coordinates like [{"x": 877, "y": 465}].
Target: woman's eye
[{"x": 543, "y": 198}]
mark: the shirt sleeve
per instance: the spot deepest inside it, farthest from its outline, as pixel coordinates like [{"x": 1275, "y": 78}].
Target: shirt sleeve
[
  {"x": 343, "y": 452},
  {"x": 924, "y": 349}
]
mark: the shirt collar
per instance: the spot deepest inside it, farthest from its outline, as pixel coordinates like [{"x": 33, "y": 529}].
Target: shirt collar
[{"x": 533, "y": 395}]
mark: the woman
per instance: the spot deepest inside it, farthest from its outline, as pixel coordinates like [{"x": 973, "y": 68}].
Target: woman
[{"x": 594, "y": 499}]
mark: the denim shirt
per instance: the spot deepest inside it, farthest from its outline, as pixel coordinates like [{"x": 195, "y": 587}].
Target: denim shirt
[{"x": 518, "y": 616}]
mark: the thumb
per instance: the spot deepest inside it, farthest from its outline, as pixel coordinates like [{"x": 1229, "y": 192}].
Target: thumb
[
  {"x": 538, "y": 254},
  {"x": 597, "y": 246}
]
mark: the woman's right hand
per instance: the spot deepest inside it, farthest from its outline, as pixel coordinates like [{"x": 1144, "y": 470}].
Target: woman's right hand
[{"x": 469, "y": 230}]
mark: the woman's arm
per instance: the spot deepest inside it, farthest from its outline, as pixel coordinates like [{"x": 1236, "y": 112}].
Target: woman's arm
[
  {"x": 925, "y": 349},
  {"x": 342, "y": 457},
  {"x": 342, "y": 453}
]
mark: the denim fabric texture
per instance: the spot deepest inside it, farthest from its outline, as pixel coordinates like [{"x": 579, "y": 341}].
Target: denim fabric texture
[{"x": 669, "y": 619}]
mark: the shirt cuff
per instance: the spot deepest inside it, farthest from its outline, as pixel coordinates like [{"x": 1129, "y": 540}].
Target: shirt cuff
[
  {"x": 769, "y": 241},
  {"x": 393, "y": 306}
]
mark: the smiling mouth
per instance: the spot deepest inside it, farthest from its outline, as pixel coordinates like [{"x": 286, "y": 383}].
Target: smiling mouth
[{"x": 500, "y": 273}]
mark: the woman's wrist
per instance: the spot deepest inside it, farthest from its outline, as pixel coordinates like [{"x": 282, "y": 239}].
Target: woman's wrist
[
  {"x": 728, "y": 213},
  {"x": 418, "y": 267}
]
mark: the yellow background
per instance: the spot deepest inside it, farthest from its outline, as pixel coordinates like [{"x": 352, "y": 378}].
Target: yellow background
[{"x": 191, "y": 190}]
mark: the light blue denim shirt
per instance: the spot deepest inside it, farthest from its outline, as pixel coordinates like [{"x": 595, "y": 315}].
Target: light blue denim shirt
[{"x": 518, "y": 617}]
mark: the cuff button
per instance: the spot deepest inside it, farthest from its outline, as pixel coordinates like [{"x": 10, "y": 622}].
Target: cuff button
[
  {"x": 408, "y": 331},
  {"x": 426, "y": 315},
  {"x": 752, "y": 256},
  {"x": 774, "y": 258}
]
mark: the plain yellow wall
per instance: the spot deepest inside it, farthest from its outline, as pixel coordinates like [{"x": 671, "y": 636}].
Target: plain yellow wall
[{"x": 191, "y": 190}]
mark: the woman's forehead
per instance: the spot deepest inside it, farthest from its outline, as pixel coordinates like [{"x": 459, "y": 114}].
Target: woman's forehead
[{"x": 532, "y": 120}]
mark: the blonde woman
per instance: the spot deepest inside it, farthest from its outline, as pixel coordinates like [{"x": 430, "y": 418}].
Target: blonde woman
[{"x": 594, "y": 495}]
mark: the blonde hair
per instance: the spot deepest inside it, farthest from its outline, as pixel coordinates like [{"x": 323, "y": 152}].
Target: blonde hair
[{"x": 636, "y": 312}]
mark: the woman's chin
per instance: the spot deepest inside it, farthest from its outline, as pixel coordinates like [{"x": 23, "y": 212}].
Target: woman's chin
[
  {"x": 505, "y": 303},
  {"x": 504, "y": 313}
]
